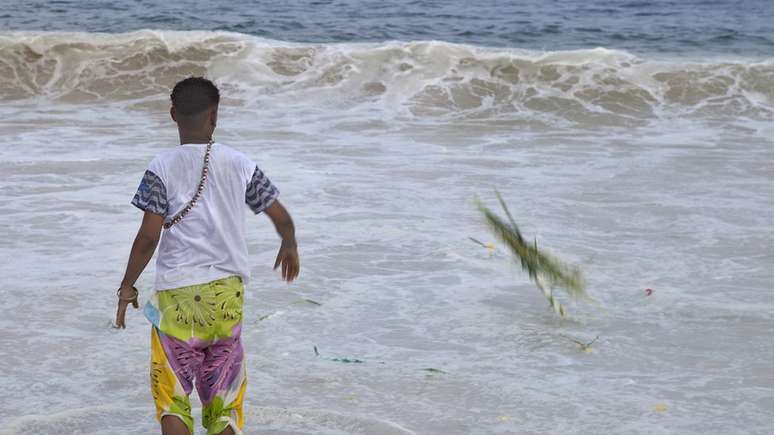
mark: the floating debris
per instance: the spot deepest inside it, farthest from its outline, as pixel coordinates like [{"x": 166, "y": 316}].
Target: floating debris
[
  {"x": 660, "y": 407},
  {"x": 270, "y": 315},
  {"x": 545, "y": 270},
  {"x": 649, "y": 291},
  {"x": 344, "y": 360},
  {"x": 307, "y": 301},
  {"x": 432, "y": 370},
  {"x": 585, "y": 347},
  {"x": 490, "y": 246}
]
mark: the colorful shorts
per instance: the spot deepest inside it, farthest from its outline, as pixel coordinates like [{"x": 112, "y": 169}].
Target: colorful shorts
[{"x": 195, "y": 339}]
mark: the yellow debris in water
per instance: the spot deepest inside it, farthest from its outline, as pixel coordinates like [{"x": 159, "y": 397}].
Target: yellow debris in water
[
  {"x": 490, "y": 246},
  {"x": 660, "y": 407},
  {"x": 504, "y": 418}
]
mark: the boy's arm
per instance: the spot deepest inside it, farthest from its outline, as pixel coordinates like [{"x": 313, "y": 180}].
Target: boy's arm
[
  {"x": 142, "y": 250},
  {"x": 288, "y": 252}
]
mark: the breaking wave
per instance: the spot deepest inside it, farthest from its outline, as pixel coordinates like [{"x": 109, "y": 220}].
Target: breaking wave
[{"x": 422, "y": 79}]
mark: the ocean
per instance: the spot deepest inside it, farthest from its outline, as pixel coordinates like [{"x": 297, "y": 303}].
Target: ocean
[{"x": 632, "y": 139}]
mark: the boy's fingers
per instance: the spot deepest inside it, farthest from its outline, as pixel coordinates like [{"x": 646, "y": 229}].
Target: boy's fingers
[
  {"x": 292, "y": 269},
  {"x": 294, "y": 273},
  {"x": 120, "y": 315},
  {"x": 289, "y": 264}
]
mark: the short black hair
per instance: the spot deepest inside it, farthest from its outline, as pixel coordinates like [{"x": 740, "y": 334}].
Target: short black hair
[{"x": 194, "y": 95}]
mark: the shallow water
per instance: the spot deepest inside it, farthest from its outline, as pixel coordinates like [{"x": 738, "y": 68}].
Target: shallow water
[{"x": 647, "y": 173}]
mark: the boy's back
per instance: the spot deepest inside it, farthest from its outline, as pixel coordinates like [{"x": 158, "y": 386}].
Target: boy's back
[{"x": 210, "y": 242}]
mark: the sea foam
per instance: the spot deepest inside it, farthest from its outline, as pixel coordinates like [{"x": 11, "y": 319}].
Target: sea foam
[{"x": 426, "y": 79}]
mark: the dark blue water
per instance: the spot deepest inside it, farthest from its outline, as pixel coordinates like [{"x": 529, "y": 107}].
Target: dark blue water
[{"x": 743, "y": 27}]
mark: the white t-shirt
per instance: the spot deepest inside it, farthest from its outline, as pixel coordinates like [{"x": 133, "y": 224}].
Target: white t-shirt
[{"x": 209, "y": 242}]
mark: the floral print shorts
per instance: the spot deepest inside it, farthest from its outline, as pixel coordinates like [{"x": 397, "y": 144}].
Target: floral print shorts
[{"x": 195, "y": 340}]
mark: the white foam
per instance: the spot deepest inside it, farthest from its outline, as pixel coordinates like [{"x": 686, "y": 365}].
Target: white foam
[
  {"x": 102, "y": 419},
  {"x": 419, "y": 79}
]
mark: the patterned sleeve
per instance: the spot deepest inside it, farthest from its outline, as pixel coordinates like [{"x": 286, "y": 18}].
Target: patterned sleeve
[
  {"x": 151, "y": 196},
  {"x": 260, "y": 192}
]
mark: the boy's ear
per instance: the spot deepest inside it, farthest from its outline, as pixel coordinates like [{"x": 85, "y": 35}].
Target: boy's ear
[
  {"x": 214, "y": 117},
  {"x": 172, "y": 113}
]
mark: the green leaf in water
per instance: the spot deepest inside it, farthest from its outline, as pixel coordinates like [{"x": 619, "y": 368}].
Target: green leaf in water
[
  {"x": 343, "y": 360},
  {"x": 546, "y": 270}
]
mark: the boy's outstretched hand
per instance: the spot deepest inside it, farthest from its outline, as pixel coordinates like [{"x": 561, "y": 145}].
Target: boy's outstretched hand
[
  {"x": 288, "y": 252},
  {"x": 288, "y": 258}
]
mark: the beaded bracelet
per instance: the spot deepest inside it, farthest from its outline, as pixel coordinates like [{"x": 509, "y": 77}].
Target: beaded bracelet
[{"x": 129, "y": 299}]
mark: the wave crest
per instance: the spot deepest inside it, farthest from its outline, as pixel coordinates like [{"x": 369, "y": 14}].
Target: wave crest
[{"x": 425, "y": 79}]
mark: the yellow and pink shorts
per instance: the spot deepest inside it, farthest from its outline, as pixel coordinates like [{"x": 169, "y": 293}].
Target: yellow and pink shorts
[{"x": 195, "y": 340}]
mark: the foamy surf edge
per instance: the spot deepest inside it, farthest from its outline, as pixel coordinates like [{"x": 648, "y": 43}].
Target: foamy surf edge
[{"x": 259, "y": 419}]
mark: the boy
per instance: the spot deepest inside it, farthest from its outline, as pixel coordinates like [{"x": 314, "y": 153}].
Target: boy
[{"x": 197, "y": 192}]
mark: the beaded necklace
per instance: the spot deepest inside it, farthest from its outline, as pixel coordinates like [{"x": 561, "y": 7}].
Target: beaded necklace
[{"x": 205, "y": 170}]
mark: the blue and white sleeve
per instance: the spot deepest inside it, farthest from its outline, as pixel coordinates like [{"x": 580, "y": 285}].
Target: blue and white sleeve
[
  {"x": 151, "y": 196},
  {"x": 260, "y": 192}
]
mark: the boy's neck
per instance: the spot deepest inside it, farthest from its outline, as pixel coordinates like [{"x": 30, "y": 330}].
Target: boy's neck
[{"x": 190, "y": 137}]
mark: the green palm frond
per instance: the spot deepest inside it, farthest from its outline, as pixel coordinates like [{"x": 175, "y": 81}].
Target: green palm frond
[{"x": 546, "y": 270}]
